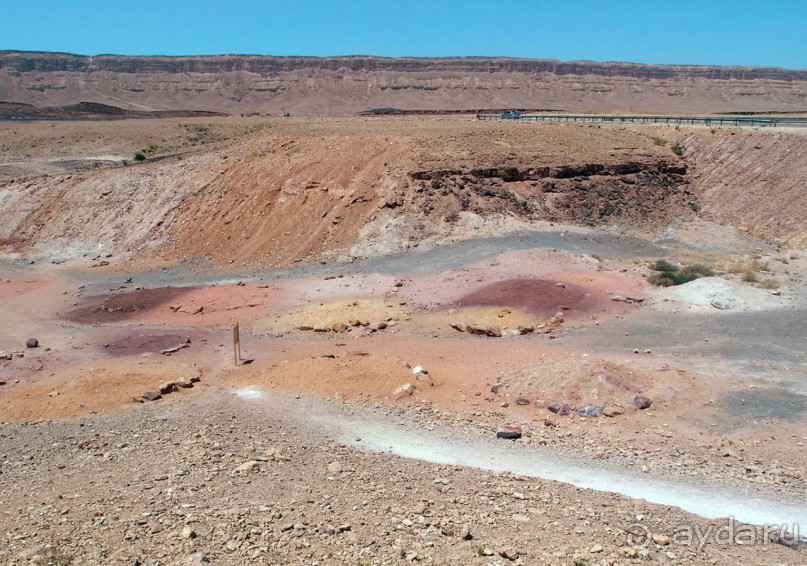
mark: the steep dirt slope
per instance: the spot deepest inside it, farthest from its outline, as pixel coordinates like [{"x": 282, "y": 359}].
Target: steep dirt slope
[
  {"x": 66, "y": 188},
  {"x": 337, "y": 85},
  {"x": 369, "y": 187},
  {"x": 297, "y": 198},
  {"x": 754, "y": 180}
]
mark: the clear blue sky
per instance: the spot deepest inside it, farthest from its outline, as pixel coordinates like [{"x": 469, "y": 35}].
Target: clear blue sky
[{"x": 719, "y": 32}]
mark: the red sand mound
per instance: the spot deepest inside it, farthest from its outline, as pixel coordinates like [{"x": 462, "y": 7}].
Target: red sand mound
[
  {"x": 114, "y": 308},
  {"x": 538, "y": 296}
]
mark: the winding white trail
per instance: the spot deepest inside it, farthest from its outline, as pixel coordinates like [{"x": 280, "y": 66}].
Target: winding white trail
[{"x": 366, "y": 430}]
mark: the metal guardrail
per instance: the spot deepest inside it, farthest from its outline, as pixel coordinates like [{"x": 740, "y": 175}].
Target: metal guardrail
[{"x": 771, "y": 121}]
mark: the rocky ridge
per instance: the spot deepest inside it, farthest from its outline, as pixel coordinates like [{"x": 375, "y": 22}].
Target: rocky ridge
[{"x": 332, "y": 85}]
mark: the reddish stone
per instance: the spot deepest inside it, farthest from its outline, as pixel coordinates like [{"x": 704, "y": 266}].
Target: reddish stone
[{"x": 508, "y": 432}]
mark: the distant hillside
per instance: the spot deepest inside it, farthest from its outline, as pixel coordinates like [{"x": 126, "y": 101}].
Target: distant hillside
[{"x": 340, "y": 85}]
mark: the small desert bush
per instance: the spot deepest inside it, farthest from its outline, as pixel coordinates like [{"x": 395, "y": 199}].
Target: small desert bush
[
  {"x": 757, "y": 265},
  {"x": 678, "y": 149},
  {"x": 750, "y": 276},
  {"x": 668, "y": 274},
  {"x": 663, "y": 265},
  {"x": 659, "y": 141},
  {"x": 770, "y": 284},
  {"x": 139, "y": 157}
]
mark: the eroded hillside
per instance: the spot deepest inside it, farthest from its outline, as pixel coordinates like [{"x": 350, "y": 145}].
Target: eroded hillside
[{"x": 268, "y": 192}]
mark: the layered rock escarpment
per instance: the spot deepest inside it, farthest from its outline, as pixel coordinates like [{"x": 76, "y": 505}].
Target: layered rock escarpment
[{"x": 335, "y": 85}]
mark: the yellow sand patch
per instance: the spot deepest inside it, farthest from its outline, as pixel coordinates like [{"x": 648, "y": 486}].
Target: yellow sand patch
[{"x": 356, "y": 314}]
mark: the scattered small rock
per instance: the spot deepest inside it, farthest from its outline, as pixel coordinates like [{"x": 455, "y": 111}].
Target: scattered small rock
[
  {"x": 641, "y": 402},
  {"x": 508, "y": 432},
  {"x": 589, "y": 411},
  {"x": 32, "y": 343},
  {"x": 613, "y": 411},
  {"x": 560, "y": 410},
  {"x": 660, "y": 539},
  {"x": 175, "y": 349},
  {"x": 246, "y": 467},
  {"x": 493, "y": 332},
  {"x": 151, "y": 395},
  {"x": 403, "y": 390}
]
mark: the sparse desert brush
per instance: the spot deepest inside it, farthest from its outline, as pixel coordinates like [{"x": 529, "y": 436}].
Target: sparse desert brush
[
  {"x": 662, "y": 265},
  {"x": 139, "y": 157},
  {"x": 678, "y": 149},
  {"x": 750, "y": 276},
  {"x": 668, "y": 274},
  {"x": 692, "y": 272},
  {"x": 736, "y": 267},
  {"x": 659, "y": 141},
  {"x": 757, "y": 265},
  {"x": 770, "y": 284}
]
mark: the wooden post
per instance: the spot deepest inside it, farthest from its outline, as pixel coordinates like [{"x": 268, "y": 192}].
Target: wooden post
[{"x": 237, "y": 343}]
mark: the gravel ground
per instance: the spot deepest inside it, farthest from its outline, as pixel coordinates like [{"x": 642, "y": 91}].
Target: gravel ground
[{"x": 220, "y": 480}]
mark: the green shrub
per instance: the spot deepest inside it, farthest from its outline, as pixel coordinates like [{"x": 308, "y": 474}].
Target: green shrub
[
  {"x": 692, "y": 272},
  {"x": 663, "y": 265},
  {"x": 678, "y": 149},
  {"x": 668, "y": 274},
  {"x": 139, "y": 157}
]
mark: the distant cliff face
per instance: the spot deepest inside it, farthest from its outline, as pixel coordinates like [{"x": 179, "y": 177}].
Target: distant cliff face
[{"x": 338, "y": 85}]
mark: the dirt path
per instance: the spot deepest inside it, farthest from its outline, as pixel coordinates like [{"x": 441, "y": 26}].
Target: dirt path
[{"x": 367, "y": 430}]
